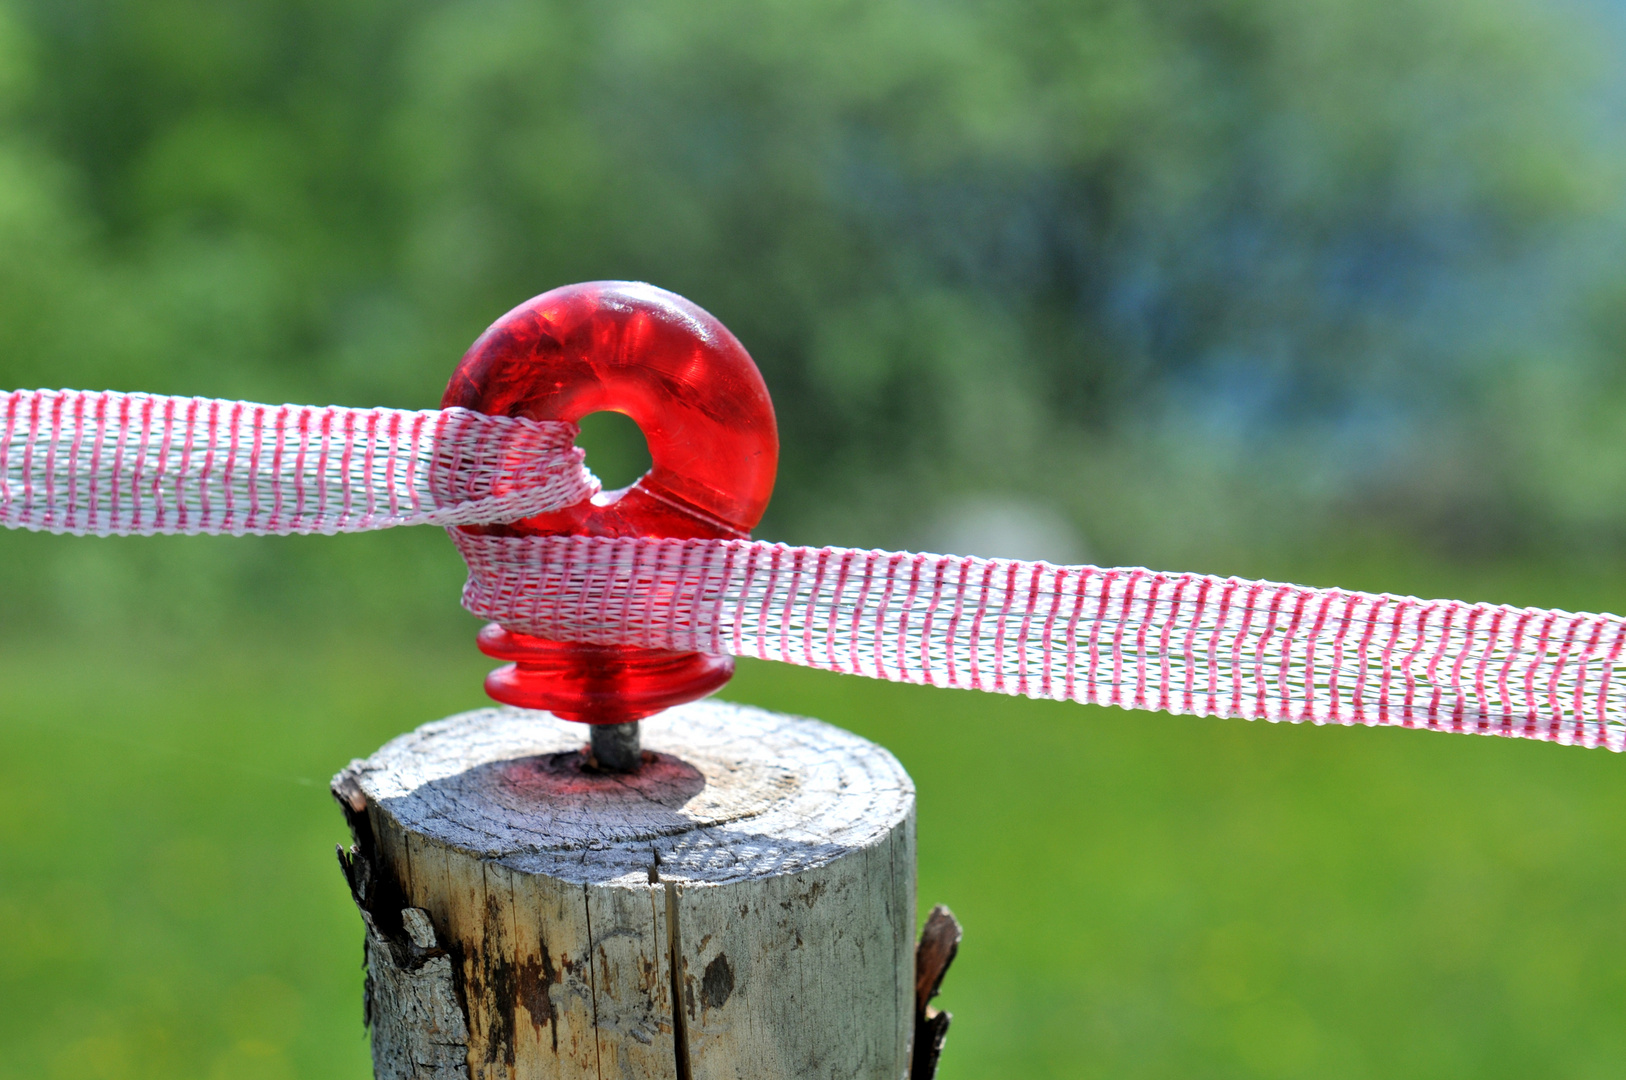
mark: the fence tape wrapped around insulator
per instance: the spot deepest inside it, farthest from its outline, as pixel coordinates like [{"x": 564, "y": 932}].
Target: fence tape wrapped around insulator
[
  {"x": 113, "y": 463},
  {"x": 1179, "y": 643}
]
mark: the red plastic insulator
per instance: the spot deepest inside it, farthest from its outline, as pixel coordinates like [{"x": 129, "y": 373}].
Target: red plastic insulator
[{"x": 626, "y": 347}]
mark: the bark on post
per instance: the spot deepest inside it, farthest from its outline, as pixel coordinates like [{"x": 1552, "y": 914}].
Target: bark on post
[{"x": 741, "y": 907}]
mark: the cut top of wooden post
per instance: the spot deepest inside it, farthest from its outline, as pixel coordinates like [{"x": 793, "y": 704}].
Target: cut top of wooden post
[
  {"x": 727, "y": 793},
  {"x": 741, "y": 906}
]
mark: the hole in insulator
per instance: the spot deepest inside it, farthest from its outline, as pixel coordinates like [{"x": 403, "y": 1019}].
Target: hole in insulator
[{"x": 616, "y": 449}]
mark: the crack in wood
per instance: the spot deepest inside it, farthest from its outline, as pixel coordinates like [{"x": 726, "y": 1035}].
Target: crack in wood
[
  {"x": 411, "y": 1003},
  {"x": 674, "y": 940}
]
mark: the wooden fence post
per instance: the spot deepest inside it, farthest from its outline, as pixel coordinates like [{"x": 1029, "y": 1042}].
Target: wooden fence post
[{"x": 742, "y": 906}]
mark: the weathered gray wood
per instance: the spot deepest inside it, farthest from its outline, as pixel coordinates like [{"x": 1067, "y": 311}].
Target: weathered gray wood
[
  {"x": 417, "y": 1021},
  {"x": 740, "y": 907}
]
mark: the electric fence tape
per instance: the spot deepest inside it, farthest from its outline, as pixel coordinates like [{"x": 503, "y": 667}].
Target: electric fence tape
[{"x": 111, "y": 463}]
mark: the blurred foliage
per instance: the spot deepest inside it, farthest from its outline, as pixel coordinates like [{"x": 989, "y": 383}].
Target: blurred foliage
[
  {"x": 1177, "y": 267},
  {"x": 1293, "y": 288}
]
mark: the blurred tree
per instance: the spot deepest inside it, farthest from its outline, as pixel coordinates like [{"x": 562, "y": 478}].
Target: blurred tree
[{"x": 1131, "y": 255}]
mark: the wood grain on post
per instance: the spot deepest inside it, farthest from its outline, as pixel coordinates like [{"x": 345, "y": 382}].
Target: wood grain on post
[{"x": 741, "y": 907}]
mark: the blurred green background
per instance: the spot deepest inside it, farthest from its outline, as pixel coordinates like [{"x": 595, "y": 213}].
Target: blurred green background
[{"x": 1321, "y": 290}]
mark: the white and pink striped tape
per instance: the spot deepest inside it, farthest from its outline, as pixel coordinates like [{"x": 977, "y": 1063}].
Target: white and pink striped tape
[
  {"x": 1182, "y": 643},
  {"x": 110, "y": 463},
  {"x": 1179, "y": 643}
]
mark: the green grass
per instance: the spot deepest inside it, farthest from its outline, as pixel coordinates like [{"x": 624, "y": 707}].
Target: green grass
[{"x": 1142, "y": 895}]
